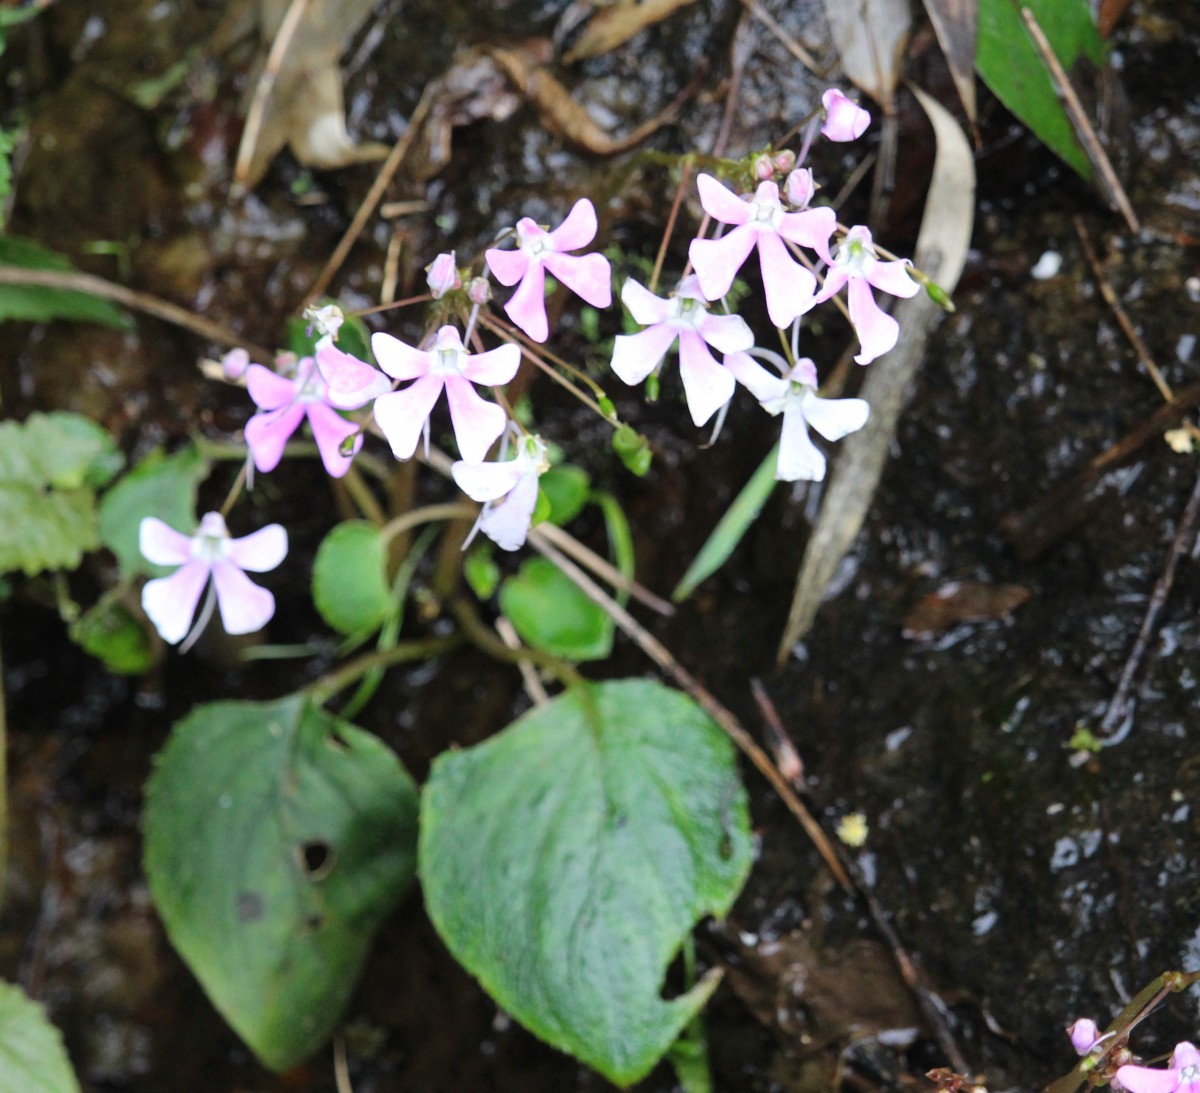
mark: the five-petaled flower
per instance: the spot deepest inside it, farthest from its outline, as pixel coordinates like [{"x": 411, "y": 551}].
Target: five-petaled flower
[
  {"x": 795, "y": 396},
  {"x": 857, "y": 265},
  {"x": 404, "y": 415},
  {"x": 761, "y": 221},
  {"x": 685, "y": 316},
  {"x": 170, "y": 602},
  {"x": 285, "y": 402},
  {"x": 1182, "y": 1073},
  {"x": 587, "y": 275},
  {"x": 844, "y": 119},
  {"x": 509, "y": 490},
  {"x": 350, "y": 382}
]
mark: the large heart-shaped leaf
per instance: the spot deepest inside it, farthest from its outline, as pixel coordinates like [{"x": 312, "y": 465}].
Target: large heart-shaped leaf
[
  {"x": 32, "y": 1058},
  {"x": 565, "y": 860},
  {"x": 277, "y": 838}
]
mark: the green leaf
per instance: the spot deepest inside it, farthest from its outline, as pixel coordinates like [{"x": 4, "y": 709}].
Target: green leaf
[
  {"x": 567, "y": 488},
  {"x": 350, "y": 587},
  {"x": 730, "y": 528},
  {"x": 32, "y": 1057},
  {"x": 633, "y": 449},
  {"x": 277, "y": 839},
  {"x": 39, "y": 304},
  {"x": 109, "y": 632},
  {"x": 482, "y": 572},
  {"x": 551, "y": 613},
  {"x": 160, "y": 485},
  {"x": 565, "y": 860},
  {"x": 1012, "y": 67},
  {"x": 48, "y": 465}
]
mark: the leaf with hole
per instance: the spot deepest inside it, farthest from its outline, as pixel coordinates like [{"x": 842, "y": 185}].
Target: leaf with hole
[
  {"x": 565, "y": 860},
  {"x": 277, "y": 839},
  {"x": 32, "y": 1057}
]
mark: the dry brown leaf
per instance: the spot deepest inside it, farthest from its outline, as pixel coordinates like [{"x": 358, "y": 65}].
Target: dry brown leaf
[
  {"x": 956, "y": 24},
  {"x": 870, "y": 37},
  {"x": 961, "y": 601},
  {"x": 616, "y": 23}
]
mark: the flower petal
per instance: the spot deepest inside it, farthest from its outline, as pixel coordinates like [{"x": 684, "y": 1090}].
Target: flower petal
[
  {"x": 1146, "y": 1079},
  {"x": 844, "y": 120},
  {"x": 706, "y": 384},
  {"x": 351, "y": 382},
  {"x": 635, "y": 356},
  {"x": 495, "y": 367},
  {"x": 260, "y": 550},
  {"x": 763, "y": 385},
  {"x": 835, "y": 418},
  {"x": 329, "y": 429},
  {"x": 1185, "y": 1055},
  {"x": 717, "y": 261},
  {"x": 507, "y": 524},
  {"x": 507, "y": 266},
  {"x": 399, "y": 359},
  {"x": 170, "y": 602},
  {"x": 578, "y": 230},
  {"x": 799, "y": 458},
  {"x": 477, "y": 422},
  {"x": 643, "y": 305},
  {"x": 722, "y": 204},
  {"x": 726, "y": 333},
  {"x": 811, "y": 228},
  {"x": 401, "y": 415},
  {"x": 268, "y": 389},
  {"x": 835, "y": 278},
  {"x": 162, "y": 544},
  {"x": 486, "y": 481},
  {"x": 268, "y": 432},
  {"x": 790, "y": 288},
  {"x": 892, "y": 277},
  {"x": 588, "y": 276},
  {"x": 877, "y": 331},
  {"x": 527, "y": 306},
  {"x": 245, "y": 607}
]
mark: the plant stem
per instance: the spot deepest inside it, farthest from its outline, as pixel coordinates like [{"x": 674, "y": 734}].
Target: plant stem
[
  {"x": 3, "y": 787},
  {"x": 323, "y": 689}
]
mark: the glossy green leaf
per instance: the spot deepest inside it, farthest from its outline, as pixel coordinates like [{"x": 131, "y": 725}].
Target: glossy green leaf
[
  {"x": 1012, "y": 67},
  {"x": 109, "y": 632},
  {"x": 552, "y": 614},
  {"x": 277, "y": 839},
  {"x": 566, "y": 487},
  {"x": 350, "y": 587},
  {"x": 49, "y": 465},
  {"x": 39, "y": 304},
  {"x": 565, "y": 860},
  {"x": 731, "y": 528},
  {"x": 32, "y": 1056},
  {"x": 160, "y": 485}
]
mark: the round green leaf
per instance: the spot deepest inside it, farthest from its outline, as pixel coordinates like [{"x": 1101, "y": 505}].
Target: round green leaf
[
  {"x": 567, "y": 487},
  {"x": 349, "y": 585},
  {"x": 277, "y": 839},
  {"x": 565, "y": 860},
  {"x": 551, "y": 613},
  {"x": 108, "y": 631},
  {"x": 32, "y": 1057}
]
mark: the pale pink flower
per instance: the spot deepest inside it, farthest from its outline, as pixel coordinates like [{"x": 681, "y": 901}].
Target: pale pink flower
[
  {"x": 857, "y": 265},
  {"x": 404, "y": 415},
  {"x": 234, "y": 364},
  {"x": 350, "y": 383},
  {"x": 761, "y": 221},
  {"x": 170, "y": 602},
  {"x": 799, "y": 187},
  {"x": 686, "y": 318},
  {"x": 1084, "y": 1035},
  {"x": 539, "y": 250},
  {"x": 1182, "y": 1073},
  {"x": 509, "y": 490},
  {"x": 283, "y": 404},
  {"x": 442, "y": 275},
  {"x": 844, "y": 119},
  {"x": 795, "y": 397}
]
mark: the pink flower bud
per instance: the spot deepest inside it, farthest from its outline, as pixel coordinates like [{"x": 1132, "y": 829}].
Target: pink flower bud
[
  {"x": 479, "y": 291},
  {"x": 799, "y": 187},
  {"x": 234, "y": 364},
  {"x": 1083, "y": 1034},
  {"x": 785, "y": 160},
  {"x": 764, "y": 168},
  {"x": 443, "y": 275},
  {"x": 844, "y": 120}
]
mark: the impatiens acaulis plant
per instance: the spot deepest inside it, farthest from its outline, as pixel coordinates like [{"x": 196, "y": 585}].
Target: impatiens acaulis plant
[{"x": 566, "y": 859}]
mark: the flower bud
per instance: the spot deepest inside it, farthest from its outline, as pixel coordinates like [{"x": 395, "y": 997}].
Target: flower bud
[
  {"x": 785, "y": 160},
  {"x": 844, "y": 120},
  {"x": 764, "y": 168},
  {"x": 799, "y": 187},
  {"x": 442, "y": 275},
  {"x": 479, "y": 291},
  {"x": 234, "y": 364},
  {"x": 1083, "y": 1034}
]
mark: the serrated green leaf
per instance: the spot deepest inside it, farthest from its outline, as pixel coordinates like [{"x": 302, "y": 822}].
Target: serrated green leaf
[
  {"x": 39, "y": 304},
  {"x": 565, "y": 860},
  {"x": 566, "y": 487},
  {"x": 32, "y": 1056},
  {"x": 731, "y": 527},
  {"x": 1010, "y": 64},
  {"x": 552, "y": 614},
  {"x": 277, "y": 839},
  {"x": 109, "y": 632},
  {"x": 350, "y": 587},
  {"x": 47, "y": 508},
  {"x": 160, "y": 485}
]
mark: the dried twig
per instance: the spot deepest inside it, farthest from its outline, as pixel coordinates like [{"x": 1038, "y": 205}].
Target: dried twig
[
  {"x": 533, "y": 685},
  {"x": 786, "y": 40}
]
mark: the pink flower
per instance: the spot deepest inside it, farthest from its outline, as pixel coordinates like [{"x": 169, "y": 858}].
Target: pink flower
[
  {"x": 587, "y": 275},
  {"x": 1182, "y": 1073},
  {"x": 283, "y": 403},
  {"x": 761, "y": 221},
  {"x": 857, "y": 265},
  {"x": 795, "y": 396},
  {"x": 844, "y": 120},
  {"x": 683, "y": 317},
  {"x": 515, "y": 481},
  {"x": 170, "y": 602},
  {"x": 1084, "y": 1035},
  {"x": 404, "y": 415},
  {"x": 442, "y": 275},
  {"x": 350, "y": 382}
]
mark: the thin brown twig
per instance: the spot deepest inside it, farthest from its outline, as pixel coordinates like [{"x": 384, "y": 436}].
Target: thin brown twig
[
  {"x": 533, "y": 685},
  {"x": 1079, "y": 120},
  {"x": 787, "y": 758},
  {"x": 136, "y": 301}
]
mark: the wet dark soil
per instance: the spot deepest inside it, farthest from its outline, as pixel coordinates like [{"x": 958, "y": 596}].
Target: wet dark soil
[{"x": 1029, "y": 886}]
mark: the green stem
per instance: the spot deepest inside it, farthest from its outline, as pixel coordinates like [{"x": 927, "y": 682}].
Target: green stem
[
  {"x": 451, "y": 510},
  {"x": 323, "y": 689},
  {"x": 3, "y": 788},
  {"x": 480, "y": 634}
]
